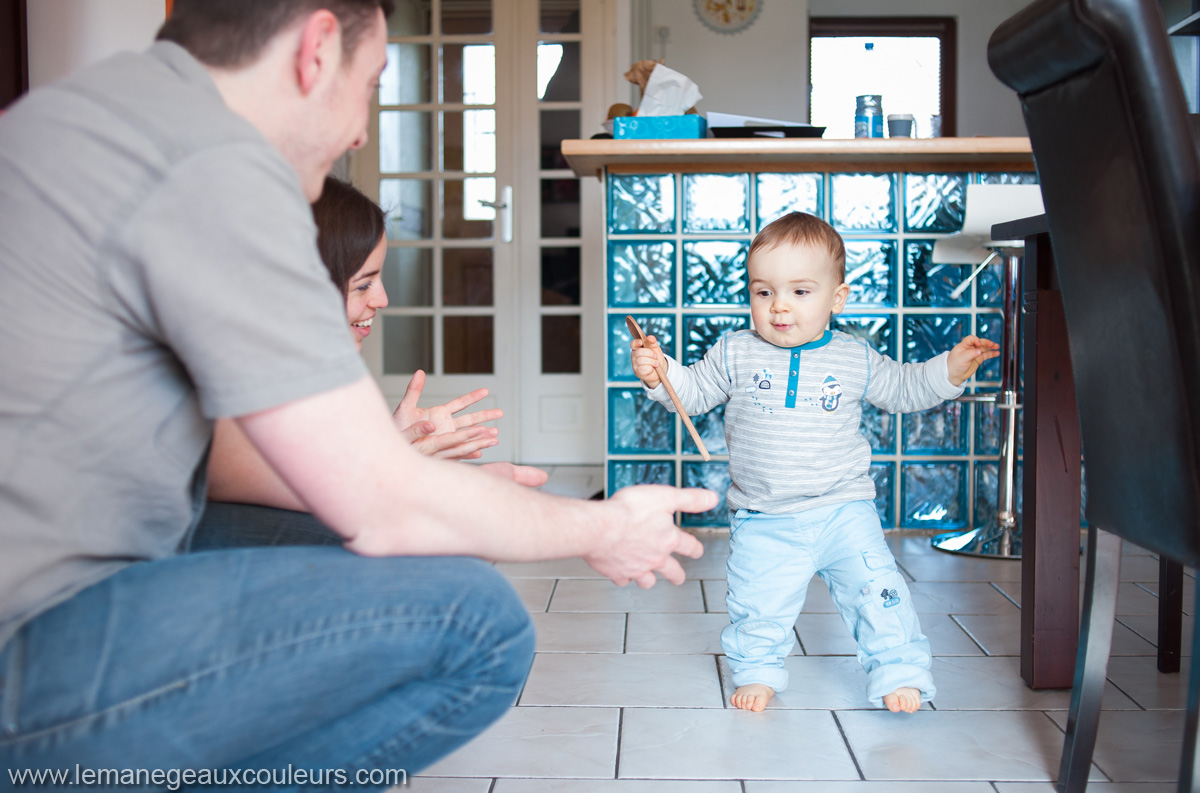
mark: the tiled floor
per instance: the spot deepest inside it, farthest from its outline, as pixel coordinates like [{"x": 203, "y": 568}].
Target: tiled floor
[{"x": 629, "y": 692}]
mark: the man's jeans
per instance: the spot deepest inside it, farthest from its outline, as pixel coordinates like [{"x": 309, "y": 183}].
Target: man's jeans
[{"x": 261, "y": 658}]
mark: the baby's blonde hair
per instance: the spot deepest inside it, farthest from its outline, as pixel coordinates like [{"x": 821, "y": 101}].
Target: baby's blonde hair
[{"x": 802, "y": 229}]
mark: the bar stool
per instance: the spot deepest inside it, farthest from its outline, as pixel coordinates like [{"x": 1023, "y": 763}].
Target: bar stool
[{"x": 988, "y": 205}]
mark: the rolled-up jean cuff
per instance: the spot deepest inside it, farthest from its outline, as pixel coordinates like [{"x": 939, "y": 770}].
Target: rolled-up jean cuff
[{"x": 886, "y": 678}]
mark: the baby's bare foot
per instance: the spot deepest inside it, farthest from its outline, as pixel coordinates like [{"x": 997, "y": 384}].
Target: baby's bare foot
[
  {"x": 752, "y": 697},
  {"x": 903, "y": 699}
]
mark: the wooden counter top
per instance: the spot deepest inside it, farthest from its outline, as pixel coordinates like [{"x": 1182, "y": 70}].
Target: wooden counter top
[{"x": 591, "y": 157}]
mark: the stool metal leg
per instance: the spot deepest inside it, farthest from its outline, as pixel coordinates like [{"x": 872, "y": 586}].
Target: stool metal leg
[
  {"x": 1091, "y": 663},
  {"x": 1189, "y": 781},
  {"x": 1003, "y": 538}
]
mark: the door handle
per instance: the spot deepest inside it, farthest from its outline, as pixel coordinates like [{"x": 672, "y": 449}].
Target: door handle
[{"x": 503, "y": 209}]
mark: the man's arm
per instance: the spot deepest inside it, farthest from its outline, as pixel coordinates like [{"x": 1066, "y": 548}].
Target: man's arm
[{"x": 339, "y": 451}]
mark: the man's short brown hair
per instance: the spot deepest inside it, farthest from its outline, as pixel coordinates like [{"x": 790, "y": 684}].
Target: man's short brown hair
[
  {"x": 802, "y": 229},
  {"x": 232, "y": 33}
]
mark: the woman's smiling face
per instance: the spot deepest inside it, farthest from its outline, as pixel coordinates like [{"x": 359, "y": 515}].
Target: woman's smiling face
[{"x": 365, "y": 294}]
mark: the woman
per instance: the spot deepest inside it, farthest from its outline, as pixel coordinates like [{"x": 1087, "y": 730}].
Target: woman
[{"x": 248, "y": 503}]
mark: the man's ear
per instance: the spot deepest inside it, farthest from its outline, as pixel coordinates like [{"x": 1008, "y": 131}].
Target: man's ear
[
  {"x": 320, "y": 49},
  {"x": 840, "y": 295}
]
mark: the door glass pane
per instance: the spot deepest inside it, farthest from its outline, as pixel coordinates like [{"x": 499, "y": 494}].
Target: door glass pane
[
  {"x": 408, "y": 276},
  {"x": 468, "y": 342},
  {"x": 405, "y": 141},
  {"x": 560, "y": 345},
  {"x": 469, "y": 74},
  {"x": 560, "y": 276},
  {"x": 411, "y": 18},
  {"x": 466, "y": 16},
  {"x": 469, "y": 141},
  {"x": 560, "y": 207},
  {"x": 557, "y": 126},
  {"x": 405, "y": 80},
  {"x": 463, "y": 216},
  {"x": 407, "y": 344},
  {"x": 559, "y": 16},
  {"x": 558, "y": 71},
  {"x": 408, "y": 204},
  {"x": 467, "y": 277}
]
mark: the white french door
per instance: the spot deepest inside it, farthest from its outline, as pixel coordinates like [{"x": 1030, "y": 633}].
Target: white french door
[{"x": 493, "y": 269}]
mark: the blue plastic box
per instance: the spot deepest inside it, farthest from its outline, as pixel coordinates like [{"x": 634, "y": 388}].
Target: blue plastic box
[{"x": 689, "y": 126}]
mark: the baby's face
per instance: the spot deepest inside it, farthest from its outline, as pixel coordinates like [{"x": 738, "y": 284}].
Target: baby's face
[{"x": 793, "y": 292}]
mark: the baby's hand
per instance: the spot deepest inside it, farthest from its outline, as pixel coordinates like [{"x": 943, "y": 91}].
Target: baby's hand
[
  {"x": 967, "y": 355},
  {"x": 646, "y": 361}
]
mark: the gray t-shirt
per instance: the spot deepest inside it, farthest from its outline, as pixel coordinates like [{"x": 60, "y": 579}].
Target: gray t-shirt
[{"x": 158, "y": 269}]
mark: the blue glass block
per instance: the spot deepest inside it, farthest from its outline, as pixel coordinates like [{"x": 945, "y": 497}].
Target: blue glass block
[
  {"x": 714, "y": 273},
  {"x": 660, "y": 326},
  {"x": 989, "y": 286},
  {"x": 870, "y": 272},
  {"x": 781, "y": 193},
  {"x": 884, "y": 475},
  {"x": 934, "y": 201},
  {"x": 879, "y": 428},
  {"x": 1020, "y": 177},
  {"x": 716, "y": 202},
  {"x": 989, "y": 326},
  {"x": 624, "y": 473},
  {"x": 987, "y": 489},
  {"x": 638, "y": 424},
  {"x": 713, "y": 476},
  {"x": 863, "y": 201},
  {"x": 641, "y": 274},
  {"x": 927, "y": 335},
  {"x": 933, "y": 495},
  {"x": 711, "y": 426},
  {"x": 640, "y": 203},
  {"x": 939, "y": 430},
  {"x": 701, "y": 331},
  {"x": 929, "y": 284},
  {"x": 877, "y": 330},
  {"x": 987, "y": 427}
]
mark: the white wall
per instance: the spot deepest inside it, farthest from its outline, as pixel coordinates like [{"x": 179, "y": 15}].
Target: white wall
[
  {"x": 67, "y": 34},
  {"x": 759, "y": 71},
  {"x": 763, "y": 71}
]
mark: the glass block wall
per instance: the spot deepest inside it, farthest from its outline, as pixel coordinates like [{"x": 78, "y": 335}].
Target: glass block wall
[{"x": 676, "y": 254}]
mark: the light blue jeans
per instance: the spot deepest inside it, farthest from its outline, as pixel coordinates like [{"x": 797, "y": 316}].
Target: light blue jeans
[
  {"x": 772, "y": 558},
  {"x": 261, "y": 658}
]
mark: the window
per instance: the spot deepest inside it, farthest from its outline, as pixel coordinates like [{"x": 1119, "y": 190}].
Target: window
[{"x": 910, "y": 61}]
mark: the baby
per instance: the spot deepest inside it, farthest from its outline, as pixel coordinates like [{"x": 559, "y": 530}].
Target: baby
[{"x": 801, "y": 498}]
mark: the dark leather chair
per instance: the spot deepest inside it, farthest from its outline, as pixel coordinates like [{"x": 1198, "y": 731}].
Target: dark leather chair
[{"x": 1120, "y": 179}]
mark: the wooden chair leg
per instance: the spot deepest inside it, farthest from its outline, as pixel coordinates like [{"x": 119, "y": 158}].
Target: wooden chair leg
[
  {"x": 1170, "y": 614},
  {"x": 1091, "y": 663}
]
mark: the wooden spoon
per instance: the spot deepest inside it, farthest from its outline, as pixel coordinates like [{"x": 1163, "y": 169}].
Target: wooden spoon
[{"x": 636, "y": 330}]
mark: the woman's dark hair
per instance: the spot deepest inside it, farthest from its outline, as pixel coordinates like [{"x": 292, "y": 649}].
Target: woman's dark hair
[
  {"x": 232, "y": 33},
  {"x": 349, "y": 226}
]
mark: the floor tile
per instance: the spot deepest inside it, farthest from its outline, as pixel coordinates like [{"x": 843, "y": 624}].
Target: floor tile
[
  {"x": 1000, "y": 634},
  {"x": 826, "y": 634},
  {"x": 606, "y": 596},
  {"x": 422, "y": 784},
  {"x": 557, "y": 742},
  {"x": 616, "y": 786},
  {"x": 1137, "y": 746},
  {"x": 712, "y": 563},
  {"x": 714, "y": 596},
  {"x": 964, "y": 745},
  {"x": 1139, "y": 568},
  {"x": 555, "y": 568},
  {"x": 1153, "y": 690},
  {"x": 1146, "y": 626},
  {"x": 814, "y": 683},
  {"x": 633, "y": 681},
  {"x": 863, "y": 786},
  {"x": 942, "y": 566},
  {"x": 1093, "y": 787},
  {"x": 996, "y": 684},
  {"x": 958, "y": 598},
  {"x": 580, "y": 633},
  {"x": 675, "y": 633},
  {"x": 534, "y": 592},
  {"x": 732, "y": 744}
]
